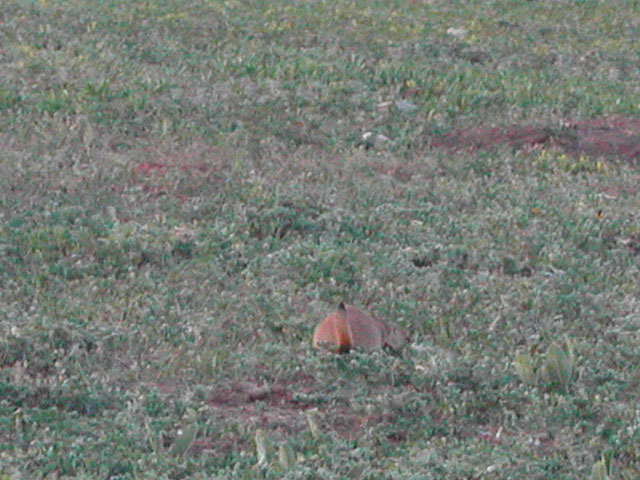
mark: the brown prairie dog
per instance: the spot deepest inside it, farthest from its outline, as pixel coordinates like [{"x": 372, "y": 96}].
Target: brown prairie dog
[{"x": 350, "y": 327}]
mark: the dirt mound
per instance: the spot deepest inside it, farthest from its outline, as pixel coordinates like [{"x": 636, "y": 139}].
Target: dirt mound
[{"x": 606, "y": 137}]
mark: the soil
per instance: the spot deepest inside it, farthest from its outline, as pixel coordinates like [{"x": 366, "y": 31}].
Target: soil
[{"x": 609, "y": 138}]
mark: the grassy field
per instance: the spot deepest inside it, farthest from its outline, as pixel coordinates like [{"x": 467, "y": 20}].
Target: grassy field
[{"x": 188, "y": 187}]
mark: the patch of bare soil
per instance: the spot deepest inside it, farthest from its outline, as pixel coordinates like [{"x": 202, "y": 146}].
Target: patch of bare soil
[
  {"x": 281, "y": 409},
  {"x": 277, "y": 407},
  {"x": 610, "y": 138}
]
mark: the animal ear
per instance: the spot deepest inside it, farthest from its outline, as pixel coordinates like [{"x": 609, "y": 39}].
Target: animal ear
[
  {"x": 364, "y": 331},
  {"x": 342, "y": 307}
]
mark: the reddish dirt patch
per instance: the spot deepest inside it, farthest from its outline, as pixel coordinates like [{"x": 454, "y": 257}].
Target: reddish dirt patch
[
  {"x": 272, "y": 406},
  {"x": 148, "y": 167},
  {"x": 611, "y": 138},
  {"x": 281, "y": 408}
]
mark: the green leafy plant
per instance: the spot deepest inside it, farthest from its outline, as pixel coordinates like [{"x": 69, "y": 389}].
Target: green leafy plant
[{"x": 558, "y": 369}]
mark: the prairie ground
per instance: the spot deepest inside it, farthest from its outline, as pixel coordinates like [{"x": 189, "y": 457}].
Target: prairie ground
[{"x": 188, "y": 187}]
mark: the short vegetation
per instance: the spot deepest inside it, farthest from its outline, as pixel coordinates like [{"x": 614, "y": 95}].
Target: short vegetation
[{"x": 188, "y": 187}]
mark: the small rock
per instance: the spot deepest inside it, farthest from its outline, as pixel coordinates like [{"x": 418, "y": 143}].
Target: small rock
[
  {"x": 457, "y": 32},
  {"x": 406, "y": 106},
  {"x": 380, "y": 140},
  {"x": 376, "y": 141}
]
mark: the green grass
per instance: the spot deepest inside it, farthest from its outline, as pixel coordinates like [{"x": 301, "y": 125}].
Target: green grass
[{"x": 185, "y": 192}]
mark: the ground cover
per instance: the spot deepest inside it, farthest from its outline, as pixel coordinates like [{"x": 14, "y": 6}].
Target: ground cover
[{"x": 188, "y": 187}]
